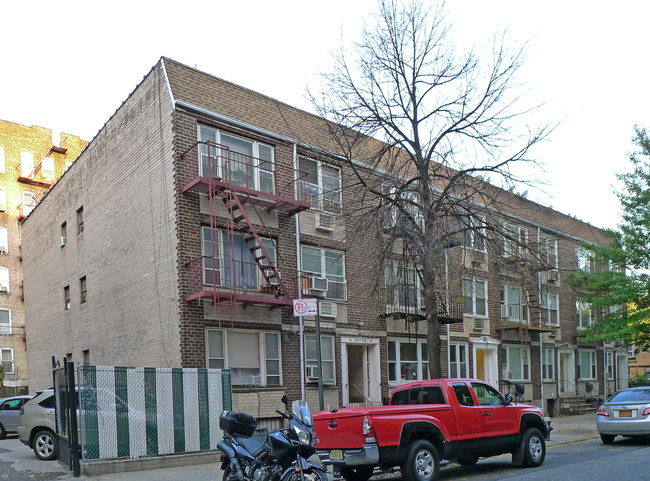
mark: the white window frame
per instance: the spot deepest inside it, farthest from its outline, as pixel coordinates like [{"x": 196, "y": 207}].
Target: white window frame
[
  {"x": 584, "y": 258},
  {"x": 421, "y": 361},
  {"x": 548, "y": 363},
  {"x": 399, "y": 287},
  {"x": 47, "y": 168},
  {"x": 4, "y": 277},
  {"x": 332, "y": 278},
  {"x": 255, "y": 157},
  {"x": 28, "y": 207},
  {"x": 474, "y": 233},
  {"x": 520, "y": 308},
  {"x": 593, "y": 365},
  {"x": 517, "y": 244},
  {"x": 26, "y": 164},
  {"x": 264, "y": 375},
  {"x": 457, "y": 370},
  {"x": 13, "y": 364},
  {"x": 6, "y": 330},
  {"x": 583, "y": 314},
  {"x": 331, "y": 362},
  {"x": 609, "y": 364},
  {"x": 2, "y": 160},
  {"x": 3, "y": 199},
  {"x": 546, "y": 305},
  {"x": 548, "y": 249},
  {"x": 474, "y": 281},
  {"x": 507, "y": 362},
  {"x": 315, "y": 193},
  {"x": 4, "y": 239}
]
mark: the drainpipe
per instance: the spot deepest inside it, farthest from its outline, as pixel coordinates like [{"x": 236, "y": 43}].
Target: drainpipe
[
  {"x": 541, "y": 334},
  {"x": 299, "y": 266},
  {"x": 447, "y": 308}
]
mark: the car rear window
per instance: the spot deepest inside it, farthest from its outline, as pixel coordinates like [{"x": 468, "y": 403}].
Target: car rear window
[
  {"x": 419, "y": 395},
  {"x": 632, "y": 395},
  {"x": 47, "y": 402}
]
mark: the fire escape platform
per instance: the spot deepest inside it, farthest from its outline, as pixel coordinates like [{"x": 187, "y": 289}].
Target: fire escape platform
[
  {"x": 245, "y": 299},
  {"x": 525, "y": 327},
  {"x": 265, "y": 200}
]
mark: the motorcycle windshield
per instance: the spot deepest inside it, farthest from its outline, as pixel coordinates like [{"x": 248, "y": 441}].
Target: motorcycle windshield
[{"x": 301, "y": 412}]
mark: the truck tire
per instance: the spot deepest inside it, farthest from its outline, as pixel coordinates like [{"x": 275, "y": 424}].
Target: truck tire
[
  {"x": 534, "y": 448},
  {"x": 422, "y": 462},
  {"x": 357, "y": 473}
]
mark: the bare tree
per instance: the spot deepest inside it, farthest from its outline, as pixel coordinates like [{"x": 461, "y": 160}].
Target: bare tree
[{"x": 429, "y": 134}]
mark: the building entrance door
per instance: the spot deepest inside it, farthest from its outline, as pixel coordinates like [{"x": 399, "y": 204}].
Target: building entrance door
[
  {"x": 360, "y": 371},
  {"x": 566, "y": 374}
]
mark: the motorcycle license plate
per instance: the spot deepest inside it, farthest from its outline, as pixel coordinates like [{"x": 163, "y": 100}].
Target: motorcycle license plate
[
  {"x": 336, "y": 455},
  {"x": 625, "y": 414}
]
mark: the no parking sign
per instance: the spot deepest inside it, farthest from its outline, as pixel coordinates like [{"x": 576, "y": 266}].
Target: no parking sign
[{"x": 305, "y": 307}]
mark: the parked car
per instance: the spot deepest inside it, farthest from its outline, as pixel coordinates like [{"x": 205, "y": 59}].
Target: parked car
[
  {"x": 37, "y": 426},
  {"x": 456, "y": 419},
  {"x": 625, "y": 413},
  {"x": 9, "y": 411}
]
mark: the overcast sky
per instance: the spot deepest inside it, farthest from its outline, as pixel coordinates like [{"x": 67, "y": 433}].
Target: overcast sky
[{"x": 70, "y": 64}]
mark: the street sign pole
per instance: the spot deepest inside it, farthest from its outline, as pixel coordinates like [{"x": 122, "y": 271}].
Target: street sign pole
[{"x": 320, "y": 362}]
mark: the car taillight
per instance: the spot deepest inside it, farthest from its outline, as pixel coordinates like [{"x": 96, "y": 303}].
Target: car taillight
[
  {"x": 602, "y": 412},
  {"x": 369, "y": 435},
  {"x": 646, "y": 411}
]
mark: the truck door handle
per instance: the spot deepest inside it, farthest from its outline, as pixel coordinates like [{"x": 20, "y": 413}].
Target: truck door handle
[
  {"x": 333, "y": 424},
  {"x": 486, "y": 414}
]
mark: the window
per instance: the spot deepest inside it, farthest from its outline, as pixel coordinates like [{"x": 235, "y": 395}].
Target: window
[
  {"x": 66, "y": 298},
  {"x": 487, "y": 395},
  {"x": 83, "y": 289},
  {"x": 326, "y": 263},
  {"x": 47, "y": 168},
  {"x": 457, "y": 360},
  {"x": 7, "y": 359},
  {"x": 587, "y": 366},
  {"x": 513, "y": 303},
  {"x": 407, "y": 360},
  {"x": 26, "y": 164},
  {"x": 514, "y": 240},
  {"x": 403, "y": 287},
  {"x": 2, "y": 160},
  {"x": 321, "y": 185},
  {"x": 4, "y": 280},
  {"x": 583, "y": 259},
  {"x": 64, "y": 234},
  {"x": 463, "y": 395},
  {"x": 473, "y": 232},
  {"x": 474, "y": 293},
  {"x": 549, "y": 307},
  {"x": 4, "y": 240},
  {"x": 515, "y": 363},
  {"x": 13, "y": 404},
  {"x": 29, "y": 202},
  {"x": 243, "y": 270},
  {"x": 548, "y": 363},
  {"x": 80, "y": 220},
  {"x": 419, "y": 395},
  {"x": 249, "y": 163},
  {"x": 327, "y": 355},
  {"x": 5, "y": 321},
  {"x": 583, "y": 314},
  {"x": 3, "y": 199},
  {"x": 409, "y": 201},
  {"x": 253, "y": 357},
  {"x": 548, "y": 250},
  {"x": 609, "y": 364}
]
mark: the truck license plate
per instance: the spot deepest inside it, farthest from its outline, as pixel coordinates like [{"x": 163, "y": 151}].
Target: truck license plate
[
  {"x": 625, "y": 414},
  {"x": 336, "y": 455}
]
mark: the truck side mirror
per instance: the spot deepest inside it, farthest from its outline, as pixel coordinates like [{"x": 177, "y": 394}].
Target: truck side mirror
[{"x": 508, "y": 398}]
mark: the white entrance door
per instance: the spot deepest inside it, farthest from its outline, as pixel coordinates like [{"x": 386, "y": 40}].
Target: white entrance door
[
  {"x": 360, "y": 372},
  {"x": 485, "y": 359},
  {"x": 567, "y": 370},
  {"x": 621, "y": 371}
]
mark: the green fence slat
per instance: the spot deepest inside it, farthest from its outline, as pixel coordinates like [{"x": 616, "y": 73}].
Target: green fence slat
[
  {"x": 151, "y": 410},
  {"x": 178, "y": 410}
]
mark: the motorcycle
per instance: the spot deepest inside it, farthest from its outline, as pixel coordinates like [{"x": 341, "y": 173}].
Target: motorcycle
[{"x": 252, "y": 454}]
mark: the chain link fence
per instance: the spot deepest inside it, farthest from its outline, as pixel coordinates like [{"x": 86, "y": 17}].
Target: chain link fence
[{"x": 136, "y": 412}]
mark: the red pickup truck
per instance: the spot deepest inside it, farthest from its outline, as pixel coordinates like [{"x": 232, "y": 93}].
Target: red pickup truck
[{"x": 456, "y": 419}]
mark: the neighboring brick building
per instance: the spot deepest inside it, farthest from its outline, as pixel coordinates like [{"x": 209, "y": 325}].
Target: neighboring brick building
[
  {"x": 194, "y": 197},
  {"x": 31, "y": 160}
]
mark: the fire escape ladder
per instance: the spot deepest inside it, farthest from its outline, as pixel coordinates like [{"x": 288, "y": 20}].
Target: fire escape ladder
[
  {"x": 532, "y": 299},
  {"x": 254, "y": 243}
]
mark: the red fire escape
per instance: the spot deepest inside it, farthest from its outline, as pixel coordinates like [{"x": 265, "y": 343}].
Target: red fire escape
[{"x": 248, "y": 188}]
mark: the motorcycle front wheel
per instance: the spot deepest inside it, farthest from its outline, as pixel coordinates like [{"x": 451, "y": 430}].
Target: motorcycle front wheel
[{"x": 311, "y": 475}]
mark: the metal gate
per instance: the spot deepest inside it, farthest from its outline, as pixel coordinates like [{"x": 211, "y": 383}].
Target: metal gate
[{"x": 66, "y": 408}]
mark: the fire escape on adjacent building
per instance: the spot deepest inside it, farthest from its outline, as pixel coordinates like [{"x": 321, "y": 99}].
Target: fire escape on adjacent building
[{"x": 240, "y": 262}]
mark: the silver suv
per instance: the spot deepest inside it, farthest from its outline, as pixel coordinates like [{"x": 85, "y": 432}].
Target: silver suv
[{"x": 37, "y": 427}]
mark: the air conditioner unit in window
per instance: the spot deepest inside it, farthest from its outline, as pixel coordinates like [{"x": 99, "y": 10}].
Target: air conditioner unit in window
[
  {"x": 4, "y": 288},
  {"x": 507, "y": 312},
  {"x": 64, "y": 240},
  {"x": 318, "y": 285},
  {"x": 324, "y": 222},
  {"x": 510, "y": 375},
  {"x": 3, "y": 249},
  {"x": 327, "y": 309},
  {"x": 312, "y": 373},
  {"x": 478, "y": 324},
  {"x": 3, "y": 207}
]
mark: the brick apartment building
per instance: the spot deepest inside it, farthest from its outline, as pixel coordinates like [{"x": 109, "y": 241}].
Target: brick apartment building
[
  {"x": 31, "y": 160},
  {"x": 186, "y": 220}
]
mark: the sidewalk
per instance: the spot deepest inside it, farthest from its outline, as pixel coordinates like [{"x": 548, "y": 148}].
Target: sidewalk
[{"x": 567, "y": 429}]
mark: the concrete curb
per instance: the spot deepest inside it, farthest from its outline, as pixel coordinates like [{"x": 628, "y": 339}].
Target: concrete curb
[{"x": 115, "y": 466}]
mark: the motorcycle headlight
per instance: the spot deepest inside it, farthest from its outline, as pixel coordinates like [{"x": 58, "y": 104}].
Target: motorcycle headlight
[{"x": 303, "y": 436}]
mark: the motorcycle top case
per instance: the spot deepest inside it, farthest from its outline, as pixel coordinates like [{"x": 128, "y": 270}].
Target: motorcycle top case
[{"x": 237, "y": 423}]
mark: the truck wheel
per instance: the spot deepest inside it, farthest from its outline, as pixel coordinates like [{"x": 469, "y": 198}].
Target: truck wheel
[
  {"x": 422, "y": 462},
  {"x": 357, "y": 473},
  {"x": 534, "y": 448}
]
